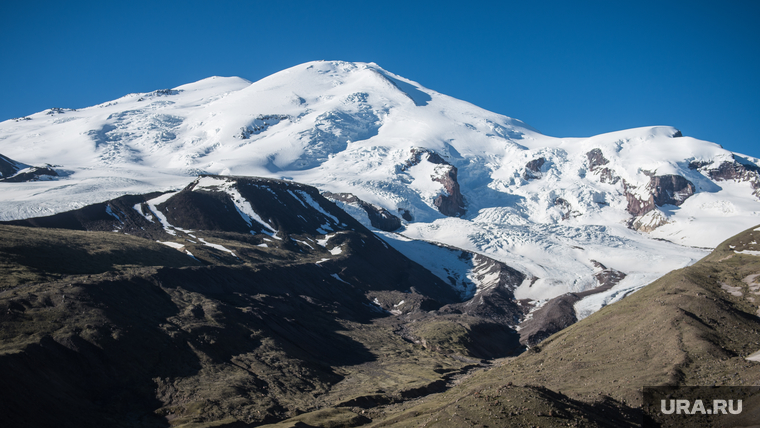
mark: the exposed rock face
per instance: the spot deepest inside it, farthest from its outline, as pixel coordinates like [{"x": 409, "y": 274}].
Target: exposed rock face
[
  {"x": 559, "y": 312},
  {"x": 596, "y": 162},
  {"x": 379, "y": 217},
  {"x": 261, "y": 124},
  {"x": 636, "y": 206},
  {"x": 533, "y": 169},
  {"x": 738, "y": 171},
  {"x": 452, "y": 202},
  {"x": 564, "y": 206},
  {"x": 607, "y": 176},
  {"x": 495, "y": 299},
  {"x": 416, "y": 158},
  {"x": 32, "y": 174},
  {"x": 596, "y": 159},
  {"x": 405, "y": 214},
  {"x": 670, "y": 189},
  {"x": 12, "y": 171},
  {"x": 8, "y": 166},
  {"x": 698, "y": 164},
  {"x": 663, "y": 190},
  {"x": 650, "y": 221},
  {"x": 116, "y": 214}
]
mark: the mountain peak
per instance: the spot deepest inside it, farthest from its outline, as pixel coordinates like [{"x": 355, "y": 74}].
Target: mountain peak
[
  {"x": 231, "y": 83},
  {"x": 441, "y": 168}
]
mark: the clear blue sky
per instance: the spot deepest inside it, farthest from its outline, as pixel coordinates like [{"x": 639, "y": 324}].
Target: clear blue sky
[{"x": 567, "y": 68}]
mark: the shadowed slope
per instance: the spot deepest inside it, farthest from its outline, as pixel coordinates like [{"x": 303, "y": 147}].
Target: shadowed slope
[{"x": 694, "y": 326}]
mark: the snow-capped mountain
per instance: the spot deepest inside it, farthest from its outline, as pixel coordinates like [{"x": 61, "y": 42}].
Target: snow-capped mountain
[{"x": 556, "y": 209}]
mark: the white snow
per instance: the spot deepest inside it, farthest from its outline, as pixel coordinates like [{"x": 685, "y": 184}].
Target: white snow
[
  {"x": 444, "y": 263},
  {"x": 175, "y": 245},
  {"x": 748, "y": 252},
  {"x": 138, "y": 208},
  {"x": 303, "y": 242},
  {"x": 241, "y": 204},
  {"x": 161, "y": 217},
  {"x": 335, "y": 275},
  {"x": 350, "y": 127},
  {"x": 218, "y": 247},
  {"x": 110, "y": 212},
  {"x": 323, "y": 242},
  {"x": 306, "y": 199}
]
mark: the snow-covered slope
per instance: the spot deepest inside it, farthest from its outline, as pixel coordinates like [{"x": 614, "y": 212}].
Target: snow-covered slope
[{"x": 549, "y": 207}]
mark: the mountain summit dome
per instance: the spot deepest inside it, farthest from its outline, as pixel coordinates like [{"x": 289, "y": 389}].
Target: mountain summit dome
[{"x": 448, "y": 171}]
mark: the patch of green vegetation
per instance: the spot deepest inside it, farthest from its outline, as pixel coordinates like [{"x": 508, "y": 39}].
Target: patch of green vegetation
[
  {"x": 445, "y": 336},
  {"x": 268, "y": 336},
  {"x": 684, "y": 329},
  {"x": 479, "y": 404},
  {"x": 29, "y": 255},
  {"x": 257, "y": 338},
  {"x": 325, "y": 418}
]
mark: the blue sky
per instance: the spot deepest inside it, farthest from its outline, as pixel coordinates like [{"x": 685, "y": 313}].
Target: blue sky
[{"x": 567, "y": 68}]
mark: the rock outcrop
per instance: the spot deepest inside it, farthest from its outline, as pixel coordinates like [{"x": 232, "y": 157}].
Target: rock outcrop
[
  {"x": 8, "y": 166},
  {"x": 451, "y": 203},
  {"x": 559, "y": 312},
  {"x": 495, "y": 299},
  {"x": 596, "y": 162},
  {"x": 670, "y": 189},
  {"x": 662, "y": 190},
  {"x": 378, "y": 216},
  {"x": 12, "y": 171},
  {"x": 533, "y": 169},
  {"x": 564, "y": 207},
  {"x": 736, "y": 170},
  {"x": 650, "y": 221},
  {"x": 34, "y": 173}
]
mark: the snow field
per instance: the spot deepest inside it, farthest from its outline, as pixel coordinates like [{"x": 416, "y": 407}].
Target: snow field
[{"x": 350, "y": 127}]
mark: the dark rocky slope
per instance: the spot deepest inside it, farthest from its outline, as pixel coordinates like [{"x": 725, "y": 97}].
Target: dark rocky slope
[
  {"x": 242, "y": 321},
  {"x": 12, "y": 171},
  {"x": 695, "y": 326}
]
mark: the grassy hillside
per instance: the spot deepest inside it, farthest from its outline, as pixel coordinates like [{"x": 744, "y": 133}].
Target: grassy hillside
[
  {"x": 104, "y": 329},
  {"x": 694, "y": 326},
  {"x": 31, "y": 255}
]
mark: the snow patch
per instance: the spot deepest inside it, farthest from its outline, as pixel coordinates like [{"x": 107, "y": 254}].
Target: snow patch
[
  {"x": 175, "y": 245},
  {"x": 110, "y": 212},
  {"x": 306, "y": 199},
  {"x": 217, "y": 247},
  {"x": 335, "y": 275},
  {"x": 323, "y": 242},
  {"x": 748, "y": 252},
  {"x": 242, "y": 205}
]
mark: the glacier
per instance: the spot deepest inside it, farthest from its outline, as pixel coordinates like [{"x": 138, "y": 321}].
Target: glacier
[{"x": 549, "y": 207}]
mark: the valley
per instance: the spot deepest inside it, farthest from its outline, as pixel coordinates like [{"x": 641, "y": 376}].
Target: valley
[{"x": 338, "y": 246}]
